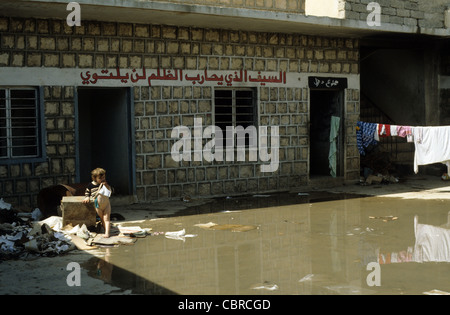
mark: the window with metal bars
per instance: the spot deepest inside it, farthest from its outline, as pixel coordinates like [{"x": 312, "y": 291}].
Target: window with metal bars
[
  {"x": 19, "y": 132},
  {"x": 235, "y": 107}
]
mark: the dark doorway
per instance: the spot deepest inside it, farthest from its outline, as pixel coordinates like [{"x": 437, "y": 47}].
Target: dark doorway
[
  {"x": 323, "y": 105},
  {"x": 105, "y": 136}
]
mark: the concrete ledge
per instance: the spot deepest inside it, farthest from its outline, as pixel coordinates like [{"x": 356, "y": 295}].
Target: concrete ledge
[{"x": 137, "y": 11}]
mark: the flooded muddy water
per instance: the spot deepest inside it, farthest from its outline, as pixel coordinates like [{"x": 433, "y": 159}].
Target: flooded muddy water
[{"x": 299, "y": 244}]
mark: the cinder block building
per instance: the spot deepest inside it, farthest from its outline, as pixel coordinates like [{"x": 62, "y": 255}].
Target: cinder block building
[{"x": 141, "y": 88}]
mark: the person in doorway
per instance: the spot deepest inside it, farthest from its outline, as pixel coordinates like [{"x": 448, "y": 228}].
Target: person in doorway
[{"x": 100, "y": 191}]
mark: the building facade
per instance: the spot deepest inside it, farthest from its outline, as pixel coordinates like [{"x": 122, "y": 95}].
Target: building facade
[{"x": 142, "y": 89}]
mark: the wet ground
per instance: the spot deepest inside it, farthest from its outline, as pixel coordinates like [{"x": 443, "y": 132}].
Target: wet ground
[
  {"x": 291, "y": 243},
  {"x": 316, "y": 242}
]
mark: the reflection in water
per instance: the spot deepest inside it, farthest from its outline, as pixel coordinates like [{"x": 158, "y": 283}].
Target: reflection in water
[
  {"x": 432, "y": 243},
  {"x": 104, "y": 270},
  {"x": 298, "y": 248}
]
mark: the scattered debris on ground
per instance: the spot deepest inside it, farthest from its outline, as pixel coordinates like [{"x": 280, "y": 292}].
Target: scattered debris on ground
[
  {"x": 377, "y": 168},
  {"x": 265, "y": 286},
  {"x": 23, "y": 236},
  {"x": 385, "y": 218},
  {"x": 27, "y": 240},
  {"x": 179, "y": 235},
  {"x": 378, "y": 179},
  {"x": 308, "y": 277}
]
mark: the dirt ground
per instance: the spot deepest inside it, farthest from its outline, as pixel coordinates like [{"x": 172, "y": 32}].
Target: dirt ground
[{"x": 51, "y": 275}]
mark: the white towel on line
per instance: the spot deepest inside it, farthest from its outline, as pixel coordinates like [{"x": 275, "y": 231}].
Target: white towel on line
[{"x": 432, "y": 145}]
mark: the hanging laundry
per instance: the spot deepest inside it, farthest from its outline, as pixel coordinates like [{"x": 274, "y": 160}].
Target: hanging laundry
[
  {"x": 404, "y": 131},
  {"x": 332, "y": 155},
  {"x": 432, "y": 145},
  {"x": 394, "y": 130},
  {"x": 365, "y": 135},
  {"x": 384, "y": 130}
]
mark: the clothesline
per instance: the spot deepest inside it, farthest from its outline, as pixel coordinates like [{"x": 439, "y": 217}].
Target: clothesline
[
  {"x": 370, "y": 133},
  {"x": 432, "y": 144}
]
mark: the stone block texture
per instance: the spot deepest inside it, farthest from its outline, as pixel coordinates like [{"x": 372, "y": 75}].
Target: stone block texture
[
  {"x": 158, "y": 109},
  {"x": 416, "y": 13}
]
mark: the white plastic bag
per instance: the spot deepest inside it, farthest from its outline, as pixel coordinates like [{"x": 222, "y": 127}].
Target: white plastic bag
[
  {"x": 36, "y": 215},
  {"x": 179, "y": 235},
  {"x": 4, "y": 205}
]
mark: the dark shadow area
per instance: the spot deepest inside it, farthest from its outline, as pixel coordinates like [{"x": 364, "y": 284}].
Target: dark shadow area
[
  {"x": 324, "y": 105},
  {"x": 99, "y": 109},
  {"x": 125, "y": 280},
  {"x": 256, "y": 201},
  {"x": 49, "y": 198}
]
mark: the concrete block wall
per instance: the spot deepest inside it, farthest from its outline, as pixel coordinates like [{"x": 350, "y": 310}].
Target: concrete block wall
[
  {"x": 412, "y": 13},
  {"x": 20, "y": 183},
  {"x": 158, "y": 109},
  {"x": 424, "y": 14},
  {"x": 36, "y": 43}
]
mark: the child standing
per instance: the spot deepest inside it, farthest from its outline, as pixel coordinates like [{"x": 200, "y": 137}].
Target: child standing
[{"x": 100, "y": 191}]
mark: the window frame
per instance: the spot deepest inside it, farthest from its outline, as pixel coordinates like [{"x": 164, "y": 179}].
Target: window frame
[
  {"x": 40, "y": 127},
  {"x": 233, "y": 99},
  {"x": 254, "y": 114}
]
